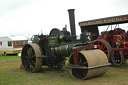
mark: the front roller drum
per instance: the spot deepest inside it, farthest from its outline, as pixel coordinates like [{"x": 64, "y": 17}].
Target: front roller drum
[{"x": 91, "y": 63}]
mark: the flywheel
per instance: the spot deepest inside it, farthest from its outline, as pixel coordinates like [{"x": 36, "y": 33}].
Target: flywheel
[{"x": 31, "y": 57}]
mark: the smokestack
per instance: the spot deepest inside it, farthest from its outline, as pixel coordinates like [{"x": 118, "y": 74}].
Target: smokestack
[{"x": 72, "y": 22}]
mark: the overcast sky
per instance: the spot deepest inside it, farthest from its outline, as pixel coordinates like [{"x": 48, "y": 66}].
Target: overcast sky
[{"x": 29, "y": 17}]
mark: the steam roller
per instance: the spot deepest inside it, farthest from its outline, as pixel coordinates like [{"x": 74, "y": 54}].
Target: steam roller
[{"x": 85, "y": 60}]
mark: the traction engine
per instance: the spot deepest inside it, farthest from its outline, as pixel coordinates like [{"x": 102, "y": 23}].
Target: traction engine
[
  {"x": 113, "y": 43},
  {"x": 85, "y": 60}
]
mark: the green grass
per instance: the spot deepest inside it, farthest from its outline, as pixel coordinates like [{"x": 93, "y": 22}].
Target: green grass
[
  {"x": 11, "y": 74},
  {"x": 9, "y": 57}
]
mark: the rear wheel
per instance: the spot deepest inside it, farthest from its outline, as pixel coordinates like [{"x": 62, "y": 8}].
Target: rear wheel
[
  {"x": 31, "y": 57},
  {"x": 105, "y": 47},
  {"x": 117, "y": 57}
]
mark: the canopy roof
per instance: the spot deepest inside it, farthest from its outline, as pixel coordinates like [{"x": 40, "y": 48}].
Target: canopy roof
[
  {"x": 106, "y": 21},
  {"x": 17, "y": 38}
]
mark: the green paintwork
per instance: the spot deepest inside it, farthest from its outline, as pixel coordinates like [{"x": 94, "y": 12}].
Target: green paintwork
[
  {"x": 62, "y": 50},
  {"x": 35, "y": 39},
  {"x": 53, "y": 42}
]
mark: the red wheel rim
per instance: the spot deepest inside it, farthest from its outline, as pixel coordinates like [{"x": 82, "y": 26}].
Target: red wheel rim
[{"x": 103, "y": 47}]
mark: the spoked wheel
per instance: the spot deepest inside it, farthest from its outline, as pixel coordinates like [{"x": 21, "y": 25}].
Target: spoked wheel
[
  {"x": 117, "y": 57},
  {"x": 91, "y": 63},
  {"x": 31, "y": 57},
  {"x": 105, "y": 47}
]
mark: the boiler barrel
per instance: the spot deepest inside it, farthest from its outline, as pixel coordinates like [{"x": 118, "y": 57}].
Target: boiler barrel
[{"x": 61, "y": 50}]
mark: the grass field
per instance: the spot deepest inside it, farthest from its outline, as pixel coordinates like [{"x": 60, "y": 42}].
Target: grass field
[{"x": 11, "y": 74}]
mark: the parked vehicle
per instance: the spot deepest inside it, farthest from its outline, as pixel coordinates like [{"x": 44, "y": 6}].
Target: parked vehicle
[
  {"x": 113, "y": 43},
  {"x": 12, "y": 44},
  {"x": 85, "y": 60}
]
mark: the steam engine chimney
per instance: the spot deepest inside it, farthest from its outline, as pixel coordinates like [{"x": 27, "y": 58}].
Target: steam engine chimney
[{"x": 72, "y": 23}]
